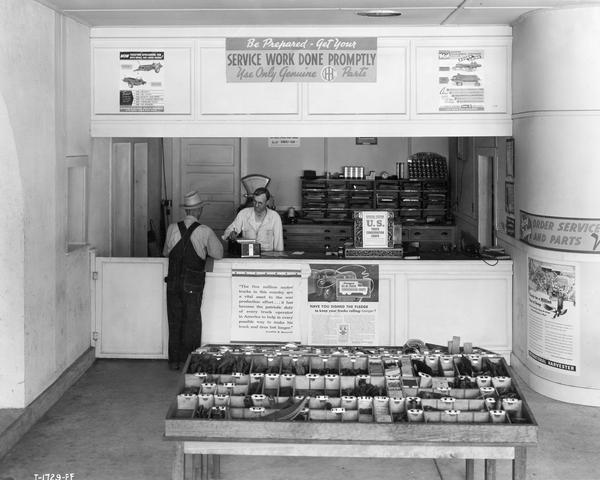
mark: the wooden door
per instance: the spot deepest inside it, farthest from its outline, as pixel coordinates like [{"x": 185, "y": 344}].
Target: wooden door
[{"x": 212, "y": 167}]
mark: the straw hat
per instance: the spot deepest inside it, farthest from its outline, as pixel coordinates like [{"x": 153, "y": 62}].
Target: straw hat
[{"x": 192, "y": 200}]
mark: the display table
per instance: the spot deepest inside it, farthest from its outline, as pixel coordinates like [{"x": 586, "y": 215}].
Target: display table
[
  {"x": 441, "y": 441},
  {"x": 476, "y": 433}
]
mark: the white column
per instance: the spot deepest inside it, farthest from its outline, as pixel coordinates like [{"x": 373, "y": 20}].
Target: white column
[{"x": 556, "y": 105}]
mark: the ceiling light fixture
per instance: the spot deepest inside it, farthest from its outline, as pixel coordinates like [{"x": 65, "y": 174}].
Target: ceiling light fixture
[{"x": 379, "y": 13}]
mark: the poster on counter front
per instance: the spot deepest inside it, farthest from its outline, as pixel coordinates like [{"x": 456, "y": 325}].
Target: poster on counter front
[
  {"x": 553, "y": 323},
  {"x": 301, "y": 59},
  {"x": 461, "y": 79},
  {"x": 265, "y": 304},
  {"x": 343, "y": 301},
  {"x": 142, "y": 82}
]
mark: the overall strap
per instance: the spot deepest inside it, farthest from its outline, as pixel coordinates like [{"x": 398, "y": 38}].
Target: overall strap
[{"x": 187, "y": 235}]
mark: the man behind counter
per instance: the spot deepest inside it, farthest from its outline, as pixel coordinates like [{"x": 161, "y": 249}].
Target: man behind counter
[
  {"x": 258, "y": 223},
  {"x": 187, "y": 245}
]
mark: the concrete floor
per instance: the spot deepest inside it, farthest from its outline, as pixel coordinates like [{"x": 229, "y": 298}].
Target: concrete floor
[{"x": 109, "y": 426}]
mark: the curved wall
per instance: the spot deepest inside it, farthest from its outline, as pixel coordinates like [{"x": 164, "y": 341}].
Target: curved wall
[{"x": 557, "y": 167}]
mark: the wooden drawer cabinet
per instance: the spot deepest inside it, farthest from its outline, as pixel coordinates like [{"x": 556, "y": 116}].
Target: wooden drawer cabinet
[
  {"x": 431, "y": 236},
  {"x": 314, "y": 237},
  {"x": 425, "y": 200}
]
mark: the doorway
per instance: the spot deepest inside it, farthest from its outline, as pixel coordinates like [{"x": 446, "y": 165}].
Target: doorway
[{"x": 486, "y": 196}]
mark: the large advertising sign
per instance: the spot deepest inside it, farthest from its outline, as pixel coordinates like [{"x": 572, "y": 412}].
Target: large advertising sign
[
  {"x": 553, "y": 330},
  {"x": 578, "y": 235},
  {"x": 301, "y": 59}
]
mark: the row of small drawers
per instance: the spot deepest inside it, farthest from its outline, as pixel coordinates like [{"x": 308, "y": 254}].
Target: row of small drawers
[{"x": 315, "y": 237}]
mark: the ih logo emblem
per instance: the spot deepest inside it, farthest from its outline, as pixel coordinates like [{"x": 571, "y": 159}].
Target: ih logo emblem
[{"x": 328, "y": 73}]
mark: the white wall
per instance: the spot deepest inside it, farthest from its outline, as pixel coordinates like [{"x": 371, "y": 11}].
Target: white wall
[
  {"x": 50, "y": 328},
  {"x": 285, "y": 164},
  {"x": 12, "y": 302}
]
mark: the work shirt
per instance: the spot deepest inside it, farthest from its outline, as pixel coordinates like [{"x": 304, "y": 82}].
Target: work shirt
[
  {"x": 268, "y": 231},
  {"x": 203, "y": 239}
]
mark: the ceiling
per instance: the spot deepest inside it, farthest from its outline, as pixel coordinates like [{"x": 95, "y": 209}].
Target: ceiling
[{"x": 101, "y": 13}]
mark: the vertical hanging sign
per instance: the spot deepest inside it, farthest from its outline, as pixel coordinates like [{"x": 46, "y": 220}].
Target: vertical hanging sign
[
  {"x": 142, "y": 85},
  {"x": 461, "y": 79},
  {"x": 301, "y": 59}
]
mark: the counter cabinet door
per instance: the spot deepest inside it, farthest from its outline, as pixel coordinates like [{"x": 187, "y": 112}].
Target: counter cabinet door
[
  {"x": 131, "y": 314},
  {"x": 431, "y": 236}
]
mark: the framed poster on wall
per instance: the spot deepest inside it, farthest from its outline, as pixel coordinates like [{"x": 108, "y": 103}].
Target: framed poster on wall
[
  {"x": 509, "y": 198},
  {"x": 510, "y": 157}
]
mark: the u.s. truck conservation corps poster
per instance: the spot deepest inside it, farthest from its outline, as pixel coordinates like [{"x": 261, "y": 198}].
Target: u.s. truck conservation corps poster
[
  {"x": 142, "y": 82},
  {"x": 553, "y": 324}
]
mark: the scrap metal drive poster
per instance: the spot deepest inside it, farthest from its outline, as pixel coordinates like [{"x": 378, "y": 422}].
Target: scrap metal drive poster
[
  {"x": 343, "y": 302},
  {"x": 265, "y": 305},
  {"x": 142, "y": 82},
  {"x": 461, "y": 79},
  {"x": 304, "y": 59},
  {"x": 553, "y": 332}
]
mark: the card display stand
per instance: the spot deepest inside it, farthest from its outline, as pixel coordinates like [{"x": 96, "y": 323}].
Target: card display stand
[{"x": 349, "y": 402}]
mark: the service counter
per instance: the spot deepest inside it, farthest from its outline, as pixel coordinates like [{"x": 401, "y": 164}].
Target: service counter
[{"x": 437, "y": 297}]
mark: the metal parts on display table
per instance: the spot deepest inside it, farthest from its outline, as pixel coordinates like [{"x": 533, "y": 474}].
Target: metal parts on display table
[{"x": 415, "y": 401}]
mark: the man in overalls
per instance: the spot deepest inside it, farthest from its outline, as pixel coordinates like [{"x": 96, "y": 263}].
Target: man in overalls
[{"x": 187, "y": 245}]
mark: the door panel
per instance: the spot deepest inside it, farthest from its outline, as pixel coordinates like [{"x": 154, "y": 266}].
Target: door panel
[{"x": 212, "y": 166}]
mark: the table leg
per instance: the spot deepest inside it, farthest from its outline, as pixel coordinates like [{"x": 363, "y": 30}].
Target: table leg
[
  {"x": 178, "y": 470},
  {"x": 469, "y": 469},
  {"x": 490, "y": 469},
  {"x": 216, "y": 466},
  {"x": 520, "y": 464}
]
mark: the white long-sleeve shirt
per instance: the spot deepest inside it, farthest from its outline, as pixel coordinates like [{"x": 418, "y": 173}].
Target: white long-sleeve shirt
[
  {"x": 205, "y": 241},
  {"x": 268, "y": 231}
]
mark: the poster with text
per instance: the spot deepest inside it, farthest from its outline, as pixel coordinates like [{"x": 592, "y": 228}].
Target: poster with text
[
  {"x": 461, "y": 75},
  {"x": 553, "y": 324},
  {"x": 265, "y": 305},
  {"x": 580, "y": 235},
  {"x": 343, "y": 300},
  {"x": 142, "y": 82},
  {"x": 301, "y": 59}
]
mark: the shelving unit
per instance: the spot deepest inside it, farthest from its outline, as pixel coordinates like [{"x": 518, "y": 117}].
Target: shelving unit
[
  {"x": 414, "y": 202},
  {"x": 325, "y": 199}
]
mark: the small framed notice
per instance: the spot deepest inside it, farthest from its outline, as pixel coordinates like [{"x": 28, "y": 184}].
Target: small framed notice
[
  {"x": 373, "y": 229},
  {"x": 366, "y": 140}
]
